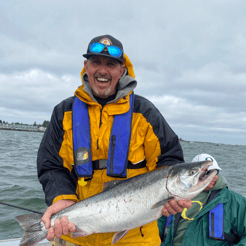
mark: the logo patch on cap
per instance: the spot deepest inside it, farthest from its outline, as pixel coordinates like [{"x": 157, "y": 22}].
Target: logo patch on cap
[
  {"x": 209, "y": 159},
  {"x": 106, "y": 41}
]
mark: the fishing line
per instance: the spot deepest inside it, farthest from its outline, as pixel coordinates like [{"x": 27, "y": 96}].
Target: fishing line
[{"x": 14, "y": 206}]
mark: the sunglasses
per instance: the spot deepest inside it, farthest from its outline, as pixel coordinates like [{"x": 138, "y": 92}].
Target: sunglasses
[{"x": 112, "y": 50}]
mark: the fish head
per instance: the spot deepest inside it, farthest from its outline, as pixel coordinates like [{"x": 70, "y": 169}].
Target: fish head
[{"x": 187, "y": 180}]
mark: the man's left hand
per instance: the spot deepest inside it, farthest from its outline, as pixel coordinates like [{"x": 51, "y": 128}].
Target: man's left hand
[
  {"x": 212, "y": 183},
  {"x": 173, "y": 207}
]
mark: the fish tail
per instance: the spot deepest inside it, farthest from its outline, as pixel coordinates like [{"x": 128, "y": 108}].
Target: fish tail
[{"x": 34, "y": 229}]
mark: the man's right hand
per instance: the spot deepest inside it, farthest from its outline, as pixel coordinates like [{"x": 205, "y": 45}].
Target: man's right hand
[{"x": 62, "y": 226}]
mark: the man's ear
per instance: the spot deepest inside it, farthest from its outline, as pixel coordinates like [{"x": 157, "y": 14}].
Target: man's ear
[
  {"x": 123, "y": 69},
  {"x": 86, "y": 65}
]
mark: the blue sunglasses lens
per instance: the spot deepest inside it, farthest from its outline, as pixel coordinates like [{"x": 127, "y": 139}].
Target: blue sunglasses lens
[
  {"x": 96, "y": 47},
  {"x": 112, "y": 50}
]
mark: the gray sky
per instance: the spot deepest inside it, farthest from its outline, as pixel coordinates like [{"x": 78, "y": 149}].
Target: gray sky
[{"x": 189, "y": 58}]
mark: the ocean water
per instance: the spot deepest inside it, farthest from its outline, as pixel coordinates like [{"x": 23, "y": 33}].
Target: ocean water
[{"x": 19, "y": 184}]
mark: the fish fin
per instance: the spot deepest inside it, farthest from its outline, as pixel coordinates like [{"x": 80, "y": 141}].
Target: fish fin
[
  {"x": 160, "y": 203},
  {"x": 79, "y": 233},
  {"x": 110, "y": 184},
  {"x": 119, "y": 235},
  {"x": 34, "y": 229}
]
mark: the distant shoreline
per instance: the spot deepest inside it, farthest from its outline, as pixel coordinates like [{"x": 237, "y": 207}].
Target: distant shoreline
[
  {"x": 43, "y": 130},
  {"x": 22, "y": 130},
  {"x": 181, "y": 140}
]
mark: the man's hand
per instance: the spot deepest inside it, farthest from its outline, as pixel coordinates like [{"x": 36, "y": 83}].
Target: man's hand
[
  {"x": 62, "y": 226},
  {"x": 173, "y": 207},
  {"x": 212, "y": 183}
]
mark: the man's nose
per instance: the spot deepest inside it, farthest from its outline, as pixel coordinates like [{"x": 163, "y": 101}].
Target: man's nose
[{"x": 102, "y": 69}]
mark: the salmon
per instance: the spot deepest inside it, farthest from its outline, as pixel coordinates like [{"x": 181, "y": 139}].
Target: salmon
[{"x": 125, "y": 205}]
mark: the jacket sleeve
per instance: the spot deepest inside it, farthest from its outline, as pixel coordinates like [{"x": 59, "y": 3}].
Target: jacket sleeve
[
  {"x": 161, "y": 225},
  {"x": 162, "y": 145},
  {"x": 238, "y": 219},
  {"x": 56, "y": 180},
  {"x": 171, "y": 150}
]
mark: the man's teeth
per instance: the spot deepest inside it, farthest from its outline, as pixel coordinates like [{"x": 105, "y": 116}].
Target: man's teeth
[{"x": 102, "y": 79}]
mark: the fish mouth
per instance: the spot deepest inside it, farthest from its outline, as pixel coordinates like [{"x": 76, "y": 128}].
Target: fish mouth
[
  {"x": 197, "y": 182},
  {"x": 205, "y": 173}
]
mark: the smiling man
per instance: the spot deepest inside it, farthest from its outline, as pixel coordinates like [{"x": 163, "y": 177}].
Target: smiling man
[
  {"x": 103, "y": 133},
  {"x": 103, "y": 75}
]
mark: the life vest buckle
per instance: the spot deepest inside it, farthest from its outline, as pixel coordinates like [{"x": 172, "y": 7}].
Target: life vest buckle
[{"x": 100, "y": 164}]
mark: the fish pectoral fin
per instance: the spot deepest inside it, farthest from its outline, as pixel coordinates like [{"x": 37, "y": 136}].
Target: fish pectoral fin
[
  {"x": 119, "y": 235},
  {"x": 79, "y": 233},
  {"x": 160, "y": 203}
]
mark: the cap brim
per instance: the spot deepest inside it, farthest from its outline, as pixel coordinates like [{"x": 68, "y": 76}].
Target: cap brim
[
  {"x": 87, "y": 56},
  {"x": 214, "y": 167}
]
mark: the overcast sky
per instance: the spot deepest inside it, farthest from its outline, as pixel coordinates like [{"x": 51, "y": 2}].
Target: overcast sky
[{"x": 189, "y": 59}]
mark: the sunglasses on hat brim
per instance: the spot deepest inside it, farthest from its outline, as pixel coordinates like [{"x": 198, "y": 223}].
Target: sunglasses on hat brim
[{"x": 112, "y": 50}]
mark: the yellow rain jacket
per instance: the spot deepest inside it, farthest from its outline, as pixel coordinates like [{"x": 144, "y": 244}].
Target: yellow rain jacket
[{"x": 152, "y": 144}]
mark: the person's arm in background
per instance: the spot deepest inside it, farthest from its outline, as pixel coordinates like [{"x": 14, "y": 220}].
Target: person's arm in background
[
  {"x": 161, "y": 225},
  {"x": 236, "y": 208}
]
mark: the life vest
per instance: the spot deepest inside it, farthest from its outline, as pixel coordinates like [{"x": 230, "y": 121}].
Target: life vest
[
  {"x": 119, "y": 141},
  {"x": 216, "y": 226}
]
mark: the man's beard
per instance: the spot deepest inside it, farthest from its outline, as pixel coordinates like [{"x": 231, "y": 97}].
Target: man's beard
[{"x": 104, "y": 94}]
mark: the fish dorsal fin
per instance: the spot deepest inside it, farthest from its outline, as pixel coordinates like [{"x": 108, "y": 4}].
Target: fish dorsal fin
[
  {"x": 119, "y": 235},
  {"x": 110, "y": 184},
  {"x": 161, "y": 203}
]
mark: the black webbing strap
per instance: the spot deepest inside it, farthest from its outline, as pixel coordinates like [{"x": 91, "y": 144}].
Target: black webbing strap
[{"x": 96, "y": 165}]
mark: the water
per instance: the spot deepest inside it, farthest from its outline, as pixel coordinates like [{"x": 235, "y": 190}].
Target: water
[{"x": 19, "y": 184}]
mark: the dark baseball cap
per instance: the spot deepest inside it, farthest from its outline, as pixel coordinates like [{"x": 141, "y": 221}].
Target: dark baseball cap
[{"x": 107, "y": 40}]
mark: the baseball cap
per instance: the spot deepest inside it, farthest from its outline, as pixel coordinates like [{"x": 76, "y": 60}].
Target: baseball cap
[
  {"x": 107, "y": 40},
  {"x": 207, "y": 157}
]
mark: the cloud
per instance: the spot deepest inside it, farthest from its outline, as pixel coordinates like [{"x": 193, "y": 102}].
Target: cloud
[
  {"x": 188, "y": 57},
  {"x": 181, "y": 112},
  {"x": 34, "y": 92}
]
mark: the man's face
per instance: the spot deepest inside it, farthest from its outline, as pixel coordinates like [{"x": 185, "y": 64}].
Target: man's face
[{"x": 103, "y": 75}]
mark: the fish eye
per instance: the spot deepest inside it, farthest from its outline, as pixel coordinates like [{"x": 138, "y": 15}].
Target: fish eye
[{"x": 192, "y": 172}]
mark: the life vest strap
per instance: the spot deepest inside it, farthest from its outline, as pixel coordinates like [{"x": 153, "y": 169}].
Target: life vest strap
[{"x": 102, "y": 164}]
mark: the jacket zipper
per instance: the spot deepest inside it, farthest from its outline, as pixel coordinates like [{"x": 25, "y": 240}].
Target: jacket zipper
[
  {"x": 100, "y": 117},
  {"x": 113, "y": 138},
  {"x": 100, "y": 123}
]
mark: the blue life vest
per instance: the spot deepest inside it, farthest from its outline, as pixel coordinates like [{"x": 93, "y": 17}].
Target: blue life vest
[
  {"x": 216, "y": 226},
  {"x": 216, "y": 222},
  {"x": 167, "y": 227},
  {"x": 118, "y": 145}
]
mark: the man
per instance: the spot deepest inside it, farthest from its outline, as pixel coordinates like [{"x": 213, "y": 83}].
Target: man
[
  {"x": 217, "y": 217},
  {"x": 103, "y": 133}
]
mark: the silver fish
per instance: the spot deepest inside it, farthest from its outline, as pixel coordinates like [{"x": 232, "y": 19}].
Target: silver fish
[{"x": 125, "y": 205}]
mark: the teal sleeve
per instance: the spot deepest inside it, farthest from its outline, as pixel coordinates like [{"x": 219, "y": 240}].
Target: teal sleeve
[
  {"x": 238, "y": 216},
  {"x": 161, "y": 225}
]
